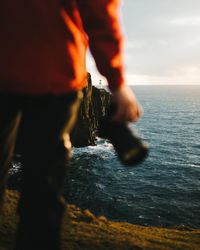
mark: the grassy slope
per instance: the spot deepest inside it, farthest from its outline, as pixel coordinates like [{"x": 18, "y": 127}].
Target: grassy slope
[{"x": 82, "y": 230}]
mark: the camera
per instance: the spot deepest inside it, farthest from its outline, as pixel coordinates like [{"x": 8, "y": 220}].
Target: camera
[{"x": 130, "y": 149}]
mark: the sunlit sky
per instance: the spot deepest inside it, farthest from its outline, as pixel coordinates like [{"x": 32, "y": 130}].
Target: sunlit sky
[{"x": 162, "y": 42}]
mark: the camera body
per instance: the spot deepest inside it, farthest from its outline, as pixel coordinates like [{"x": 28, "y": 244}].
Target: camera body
[{"x": 130, "y": 149}]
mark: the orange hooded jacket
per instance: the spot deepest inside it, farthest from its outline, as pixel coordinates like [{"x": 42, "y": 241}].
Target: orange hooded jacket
[{"x": 43, "y": 44}]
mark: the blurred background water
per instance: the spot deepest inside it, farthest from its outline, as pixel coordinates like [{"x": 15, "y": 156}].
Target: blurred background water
[{"x": 162, "y": 191}]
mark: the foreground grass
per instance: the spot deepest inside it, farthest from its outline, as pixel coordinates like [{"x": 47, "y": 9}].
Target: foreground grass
[{"x": 83, "y": 231}]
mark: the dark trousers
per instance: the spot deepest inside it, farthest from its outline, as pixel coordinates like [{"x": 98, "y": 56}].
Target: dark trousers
[{"x": 44, "y": 123}]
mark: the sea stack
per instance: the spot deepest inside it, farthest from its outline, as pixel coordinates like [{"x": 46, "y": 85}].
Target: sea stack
[{"x": 94, "y": 106}]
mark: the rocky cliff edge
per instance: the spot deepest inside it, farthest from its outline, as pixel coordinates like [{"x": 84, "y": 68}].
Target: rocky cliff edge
[{"x": 83, "y": 231}]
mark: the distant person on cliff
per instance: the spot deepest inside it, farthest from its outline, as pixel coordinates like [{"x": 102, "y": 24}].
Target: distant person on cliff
[{"x": 42, "y": 72}]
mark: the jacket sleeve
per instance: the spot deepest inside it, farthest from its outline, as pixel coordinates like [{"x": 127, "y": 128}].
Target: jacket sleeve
[{"x": 101, "y": 23}]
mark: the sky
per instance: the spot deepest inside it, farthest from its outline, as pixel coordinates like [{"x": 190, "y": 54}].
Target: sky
[{"x": 162, "y": 42}]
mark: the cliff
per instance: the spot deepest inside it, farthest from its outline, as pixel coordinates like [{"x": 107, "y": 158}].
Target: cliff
[
  {"x": 83, "y": 231},
  {"x": 93, "y": 107}
]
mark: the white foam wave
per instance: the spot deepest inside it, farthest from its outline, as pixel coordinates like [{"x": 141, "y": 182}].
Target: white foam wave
[{"x": 102, "y": 148}]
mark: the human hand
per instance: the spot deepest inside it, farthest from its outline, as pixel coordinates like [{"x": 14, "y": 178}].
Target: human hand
[{"x": 127, "y": 107}]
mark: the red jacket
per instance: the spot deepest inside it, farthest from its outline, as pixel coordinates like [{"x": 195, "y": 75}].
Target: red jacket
[{"x": 43, "y": 44}]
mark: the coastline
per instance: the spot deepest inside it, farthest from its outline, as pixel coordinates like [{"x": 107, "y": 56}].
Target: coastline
[{"x": 82, "y": 230}]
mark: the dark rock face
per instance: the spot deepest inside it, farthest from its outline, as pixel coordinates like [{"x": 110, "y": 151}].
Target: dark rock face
[{"x": 94, "y": 106}]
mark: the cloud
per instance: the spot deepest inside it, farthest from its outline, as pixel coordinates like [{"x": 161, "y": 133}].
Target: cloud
[
  {"x": 178, "y": 76},
  {"x": 162, "y": 41},
  {"x": 186, "y": 21}
]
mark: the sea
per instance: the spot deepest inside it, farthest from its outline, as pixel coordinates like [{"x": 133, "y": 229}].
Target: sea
[{"x": 162, "y": 191}]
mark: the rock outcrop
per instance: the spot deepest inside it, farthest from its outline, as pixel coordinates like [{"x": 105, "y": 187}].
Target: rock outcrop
[
  {"x": 94, "y": 106},
  {"x": 84, "y": 231}
]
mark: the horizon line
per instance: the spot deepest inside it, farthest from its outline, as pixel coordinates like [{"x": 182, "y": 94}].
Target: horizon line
[{"x": 156, "y": 84}]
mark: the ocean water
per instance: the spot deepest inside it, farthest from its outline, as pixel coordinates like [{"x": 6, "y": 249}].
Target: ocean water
[{"x": 162, "y": 191}]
